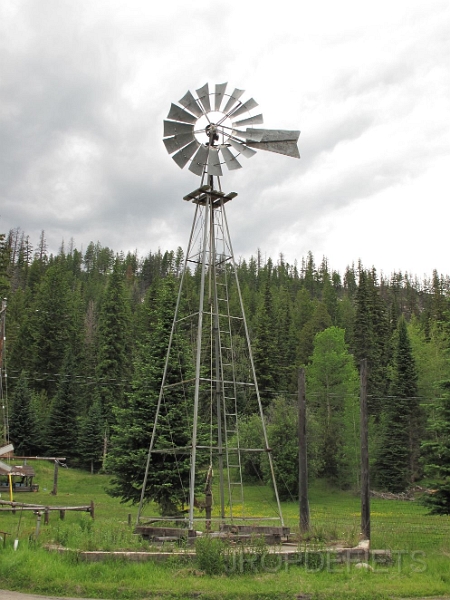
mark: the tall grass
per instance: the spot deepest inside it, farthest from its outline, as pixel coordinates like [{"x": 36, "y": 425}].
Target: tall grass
[{"x": 420, "y": 546}]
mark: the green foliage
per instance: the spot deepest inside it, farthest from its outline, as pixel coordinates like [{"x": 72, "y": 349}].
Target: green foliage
[
  {"x": 4, "y": 263},
  {"x": 62, "y": 423},
  {"x": 266, "y": 356},
  {"x": 397, "y": 455},
  {"x": 102, "y": 308},
  {"x": 50, "y": 327},
  {"x": 168, "y": 479},
  {"x": 320, "y": 320},
  {"x": 216, "y": 557},
  {"x": 332, "y": 384},
  {"x": 371, "y": 338},
  {"x": 282, "y": 433},
  {"x": 113, "y": 345},
  {"x": 436, "y": 452},
  {"x": 91, "y": 437},
  {"x": 210, "y": 555},
  {"x": 403, "y": 527},
  {"x": 23, "y": 428},
  {"x": 251, "y": 436}
]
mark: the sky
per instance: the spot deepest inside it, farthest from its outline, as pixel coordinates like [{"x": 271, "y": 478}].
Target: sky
[{"x": 85, "y": 86}]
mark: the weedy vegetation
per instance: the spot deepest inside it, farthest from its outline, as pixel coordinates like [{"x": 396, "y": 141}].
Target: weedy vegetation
[{"x": 419, "y": 543}]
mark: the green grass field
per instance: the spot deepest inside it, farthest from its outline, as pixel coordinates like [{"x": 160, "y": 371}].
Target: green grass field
[{"x": 420, "y": 546}]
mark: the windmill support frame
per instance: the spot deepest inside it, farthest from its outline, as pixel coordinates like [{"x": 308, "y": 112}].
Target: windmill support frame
[{"x": 209, "y": 219}]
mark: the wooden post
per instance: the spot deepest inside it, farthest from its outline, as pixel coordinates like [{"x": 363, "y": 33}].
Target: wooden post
[
  {"x": 364, "y": 434},
  {"x": 91, "y": 509},
  {"x": 54, "y": 491},
  {"x": 302, "y": 454},
  {"x": 38, "y": 524},
  {"x": 208, "y": 499}
]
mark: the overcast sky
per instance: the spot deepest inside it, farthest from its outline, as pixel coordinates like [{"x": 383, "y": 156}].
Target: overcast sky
[{"x": 86, "y": 84}]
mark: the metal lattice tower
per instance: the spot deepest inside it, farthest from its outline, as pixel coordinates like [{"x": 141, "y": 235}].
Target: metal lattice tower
[
  {"x": 3, "y": 380},
  {"x": 205, "y": 135}
]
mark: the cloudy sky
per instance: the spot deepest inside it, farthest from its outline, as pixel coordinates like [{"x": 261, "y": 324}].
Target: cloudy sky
[{"x": 85, "y": 86}]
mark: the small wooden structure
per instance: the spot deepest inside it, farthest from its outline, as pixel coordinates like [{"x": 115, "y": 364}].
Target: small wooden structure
[
  {"x": 45, "y": 509},
  {"x": 21, "y": 477}
]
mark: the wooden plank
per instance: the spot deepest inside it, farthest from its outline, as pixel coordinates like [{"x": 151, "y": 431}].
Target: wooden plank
[
  {"x": 160, "y": 532},
  {"x": 255, "y": 529}
]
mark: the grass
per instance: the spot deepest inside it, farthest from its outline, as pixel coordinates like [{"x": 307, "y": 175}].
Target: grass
[{"x": 420, "y": 546}]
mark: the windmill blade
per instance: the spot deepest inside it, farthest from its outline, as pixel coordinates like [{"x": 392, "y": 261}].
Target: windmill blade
[
  {"x": 172, "y": 128},
  {"x": 6, "y": 449},
  {"x": 244, "y": 150},
  {"x": 233, "y": 99},
  {"x": 287, "y": 148},
  {"x": 218, "y": 95},
  {"x": 214, "y": 167},
  {"x": 182, "y": 157},
  {"x": 5, "y": 467},
  {"x": 230, "y": 160},
  {"x": 246, "y": 107},
  {"x": 178, "y": 141},
  {"x": 256, "y": 120},
  {"x": 203, "y": 96},
  {"x": 176, "y": 113},
  {"x": 199, "y": 161},
  {"x": 189, "y": 102}
]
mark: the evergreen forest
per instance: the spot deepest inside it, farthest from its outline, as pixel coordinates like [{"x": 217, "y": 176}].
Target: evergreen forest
[{"x": 86, "y": 334}]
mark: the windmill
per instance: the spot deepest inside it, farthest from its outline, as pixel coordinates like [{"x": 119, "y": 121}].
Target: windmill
[{"x": 206, "y": 132}]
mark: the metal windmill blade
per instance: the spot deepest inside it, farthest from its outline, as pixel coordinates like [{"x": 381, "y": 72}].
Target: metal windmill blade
[{"x": 204, "y": 131}]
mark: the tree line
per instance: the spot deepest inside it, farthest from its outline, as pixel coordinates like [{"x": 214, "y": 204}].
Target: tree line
[{"x": 87, "y": 332}]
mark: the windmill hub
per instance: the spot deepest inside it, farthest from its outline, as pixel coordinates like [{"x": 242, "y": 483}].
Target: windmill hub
[{"x": 211, "y": 132}]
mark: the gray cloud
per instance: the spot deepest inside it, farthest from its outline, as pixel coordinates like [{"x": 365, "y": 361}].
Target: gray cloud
[{"x": 85, "y": 87}]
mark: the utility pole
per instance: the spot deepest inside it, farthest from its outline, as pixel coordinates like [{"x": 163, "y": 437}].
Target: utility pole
[
  {"x": 364, "y": 433},
  {"x": 302, "y": 454}
]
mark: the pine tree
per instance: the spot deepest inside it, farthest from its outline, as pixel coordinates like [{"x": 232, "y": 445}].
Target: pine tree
[
  {"x": 436, "y": 452},
  {"x": 113, "y": 368},
  {"x": 4, "y": 264},
  {"x": 265, "y": 349},
  {"x": 50, "y": 327},
  {"x": 285, "y": 342},
  {"x": 63, "y": 425},
  {"x": 22, "y": 424},
  {"x": 397, "y": 455},
  {"x": 371, "y": 339},
  {"x": 168, "y": 479},
  {"x": 319, "y": 321},
  {"x": 91, "y": 437}
]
